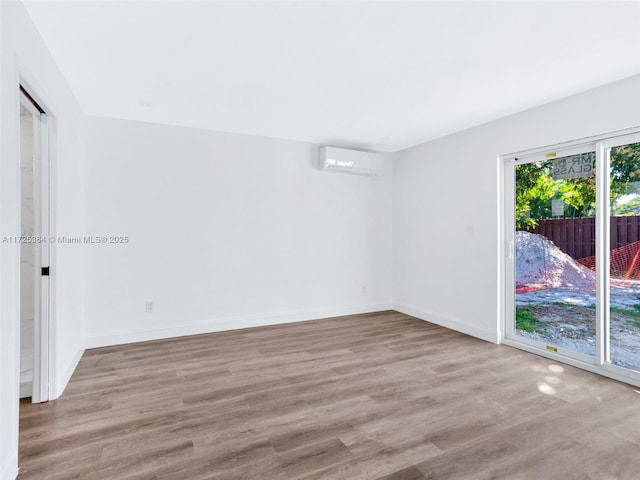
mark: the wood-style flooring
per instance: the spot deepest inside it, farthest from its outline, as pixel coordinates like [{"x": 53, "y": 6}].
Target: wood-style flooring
[{"x": 377, "y": 396}]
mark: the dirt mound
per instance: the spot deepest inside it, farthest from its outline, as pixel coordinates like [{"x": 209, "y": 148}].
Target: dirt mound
[{"x": 540, "y": 264}]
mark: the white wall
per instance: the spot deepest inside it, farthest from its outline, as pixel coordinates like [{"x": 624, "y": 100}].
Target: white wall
[
  {"x": 445, "y": 205},
  {"x": 23, "y": 54},
  {"x": 229, "y": 231},
  {"x": 226, "y": 231}
]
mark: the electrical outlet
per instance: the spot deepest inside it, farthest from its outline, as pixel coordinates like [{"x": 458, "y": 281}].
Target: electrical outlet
[
  {"x": 148, "y": 307},
  {"x": 363, "y": 289}
]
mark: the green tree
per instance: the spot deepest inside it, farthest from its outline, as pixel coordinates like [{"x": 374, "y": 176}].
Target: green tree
[
  {"x": 536, "y": 188},
  {"x": 631, "y": 207},
  {"x": 625, "y": 178}
]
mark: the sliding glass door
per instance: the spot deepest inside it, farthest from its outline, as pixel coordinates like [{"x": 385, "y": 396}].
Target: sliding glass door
[
  {"x": 623, "y": 329},
  {"x": 572, "y": 232}
]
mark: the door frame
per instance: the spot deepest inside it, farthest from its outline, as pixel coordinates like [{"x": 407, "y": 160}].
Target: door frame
[
  {"x": 42, "y": 362},
  {"x": 506, "y": 251},
  {"x": 629, "y": 137}
]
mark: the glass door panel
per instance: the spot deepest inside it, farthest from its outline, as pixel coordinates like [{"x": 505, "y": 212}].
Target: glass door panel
[
  {"x": 624, "y": 255},
  {"x": 554, "y": 246}
]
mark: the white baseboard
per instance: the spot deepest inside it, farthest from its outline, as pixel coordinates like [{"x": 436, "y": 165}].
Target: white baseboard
[
  {"x": 221, "y": 324},
  {"x": 26, "y": 389},
  {"x": 63, "y": 381},
  {"x": 445, "y": 321},
  {"x": 10, "y": 469}
]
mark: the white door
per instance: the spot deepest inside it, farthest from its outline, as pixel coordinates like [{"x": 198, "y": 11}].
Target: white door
[{"x": 34, "y": 247}]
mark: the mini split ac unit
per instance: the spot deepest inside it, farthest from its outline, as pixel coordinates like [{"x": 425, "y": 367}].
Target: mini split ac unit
[{"x": 355, "y": 162}]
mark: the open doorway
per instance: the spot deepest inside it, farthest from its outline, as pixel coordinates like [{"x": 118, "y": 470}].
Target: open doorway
[{"x": 34, "y": 250}]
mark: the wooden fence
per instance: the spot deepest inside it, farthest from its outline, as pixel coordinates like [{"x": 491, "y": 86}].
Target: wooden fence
[{"x": 577, "y": 236}]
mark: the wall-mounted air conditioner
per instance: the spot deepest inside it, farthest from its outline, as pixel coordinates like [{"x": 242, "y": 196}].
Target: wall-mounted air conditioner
[{"x": 342, "y": 160}]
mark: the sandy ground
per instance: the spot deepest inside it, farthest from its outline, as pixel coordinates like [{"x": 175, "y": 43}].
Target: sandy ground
[
  {"x": 540, "y": 264},
  {"x": 568, "y": 319},
  {"x": 625, "y": 297},
  {"x": 563, "y": 300}
]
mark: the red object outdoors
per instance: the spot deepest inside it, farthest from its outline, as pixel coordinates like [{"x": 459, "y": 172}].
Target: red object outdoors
[
  {"x": 529, "y": 288},
  {"x": 625, "y": 261}
]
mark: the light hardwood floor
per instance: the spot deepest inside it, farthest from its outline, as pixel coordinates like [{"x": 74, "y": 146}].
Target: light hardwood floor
[{"x": 377, "y": 396}]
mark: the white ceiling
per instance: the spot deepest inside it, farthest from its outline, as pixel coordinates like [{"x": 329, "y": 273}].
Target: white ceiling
[{"x": 373, "y": 75}]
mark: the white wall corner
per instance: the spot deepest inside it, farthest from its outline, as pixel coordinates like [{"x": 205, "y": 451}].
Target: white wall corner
[
  {"x": 63, "y": 381},
  {"x": 448, "y": 322}
]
